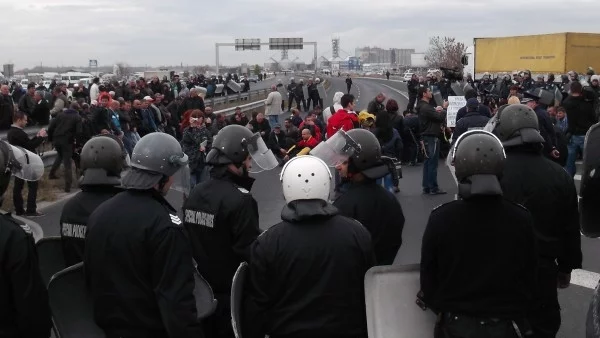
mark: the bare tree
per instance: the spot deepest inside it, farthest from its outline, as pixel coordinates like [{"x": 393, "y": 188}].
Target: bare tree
[
  {"x": 445, "y": 52},
  {"x": 123, "y": 69}
]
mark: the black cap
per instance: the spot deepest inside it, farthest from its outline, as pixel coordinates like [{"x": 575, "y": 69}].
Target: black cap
[{"x": 31, "y": 85}]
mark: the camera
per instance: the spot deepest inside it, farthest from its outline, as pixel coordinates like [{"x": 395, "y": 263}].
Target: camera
[{"x": 452, "y": 74}]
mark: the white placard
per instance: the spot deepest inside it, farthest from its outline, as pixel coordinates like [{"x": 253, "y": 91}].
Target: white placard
[{"x": 454, "y": 104}]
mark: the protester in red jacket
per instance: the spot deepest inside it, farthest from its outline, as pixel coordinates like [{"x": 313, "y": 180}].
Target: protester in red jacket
[
  {"x": 344, "y": 119},
  {"x": 307, "y": 139}
]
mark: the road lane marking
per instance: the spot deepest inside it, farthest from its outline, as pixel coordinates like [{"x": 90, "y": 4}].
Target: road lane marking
[
  {"x": 396, "y": 90},
  {"x": 584, "y": 278}
]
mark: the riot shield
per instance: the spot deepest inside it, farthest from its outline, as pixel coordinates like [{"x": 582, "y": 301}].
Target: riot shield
[
  {"x": 457, "y": 88},
  {"x": 567, "y": 88},
  {"x": 391, "y": 301},
  {"x": 589, "y": 213},
  {"x": 558, "y": 96},
  {"x": 283, "y": 92},
  {"x": 219, "y": 89},
  {"x": 322, "y": 92},
  {"x": 592, "y": 324},
  {"x": 305, "y": 91},
  {"x": 206, "y": 304},
  {"x": 437, "y": 96},
  {"x": 236, "y": 87},
  {"x": 237, "y": 298},
  {"x": 24, "y": 164}
]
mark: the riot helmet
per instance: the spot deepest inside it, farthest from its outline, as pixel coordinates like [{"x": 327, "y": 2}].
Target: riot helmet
[
  {"x": 359, "y": 147},
  {"x": 101, "y": 161},
  {"x": 233, "y": 144},
  {"x": 514, "y": 125},
  {"x": 368, "y": 161},
  {"x": 478, "y": 158},
  {"x": 157, "y": 157},
  {"x": 305, "y": 178}
]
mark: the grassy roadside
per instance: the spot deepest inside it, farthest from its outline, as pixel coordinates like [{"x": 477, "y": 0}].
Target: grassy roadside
[{"x": 48, "y": 190}]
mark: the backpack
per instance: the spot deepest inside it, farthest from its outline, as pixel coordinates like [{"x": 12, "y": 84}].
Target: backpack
[{"x": 340, "y": 120}]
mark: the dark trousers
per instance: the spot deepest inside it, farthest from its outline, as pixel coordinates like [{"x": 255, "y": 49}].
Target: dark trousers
[
  {"x": 412, "y": 99},
  {"x": 349, "y": 87},
  {"x": 430, "y": 165},
  {"x": 64, "y": 155},
  {"x": 457, "y": 326},
  {"x": 218, "y": 325},
  {"x": 32, "y": 187},
  {"x": 544, "y": 317},
  {"x": 303, "y": 101},
  {"x": 291, "y": 102}
]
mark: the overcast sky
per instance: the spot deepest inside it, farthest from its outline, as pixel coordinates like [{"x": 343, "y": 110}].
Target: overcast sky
[{"x": 159, "y": 32}]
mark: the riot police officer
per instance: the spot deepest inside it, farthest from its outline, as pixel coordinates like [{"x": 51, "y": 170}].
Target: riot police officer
[
  {"x": 138, "y": 261},
  {"x": 364, "y": 200},
  {"x": 290, "y": 295},
  {"x": 221, "y": 216},
  {"x": 101, "y": 163},
  {"x": 473, "y": 231},
  {"x": 291, "y": 88},
  {"x": 24, "y": 310},
  {"x": 540, "y": 185}
]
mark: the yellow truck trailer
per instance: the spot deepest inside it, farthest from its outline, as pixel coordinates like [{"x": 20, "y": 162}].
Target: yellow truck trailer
[{"x": 549, "y": 53}]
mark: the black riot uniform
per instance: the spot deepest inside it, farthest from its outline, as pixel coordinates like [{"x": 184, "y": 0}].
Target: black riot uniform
[
  {"x": 368, "y": 202},
  {"x": 221, "y": 217},
  {"x": 541, "y": 185},
  {"x": 101, "y": 163},
  {"x": 138, "y": 261},
  {"x": 24, "y": 309},
  {"x": 476, "y": 281},
  {"x": 312, "y": 264}
]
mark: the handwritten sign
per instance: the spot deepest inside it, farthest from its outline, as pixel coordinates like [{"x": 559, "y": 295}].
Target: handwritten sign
[{"x": 454, "y": 104}]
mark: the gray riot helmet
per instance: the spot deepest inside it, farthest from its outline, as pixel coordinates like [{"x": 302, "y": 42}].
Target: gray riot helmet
[
  {"x": 233, "y": 144},
  {"x": 514, "y": 125},
  {"x": 368, "y": 160},
  {"x": 478, "y": 158},
  {"x": 155, "y": 158},
  {"x": 101, "y": 162}
]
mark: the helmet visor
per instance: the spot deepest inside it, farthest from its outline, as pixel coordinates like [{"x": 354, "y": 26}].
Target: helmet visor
[
  {"x": 336, "y": 149},
  {"x": 183, "y": 182},
  {"x": 262, "y": 157}
]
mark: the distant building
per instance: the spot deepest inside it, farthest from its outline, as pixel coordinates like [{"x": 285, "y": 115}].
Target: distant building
[
  {"x": 391, "y": 56},
  {"x": 8, "y": 70}
]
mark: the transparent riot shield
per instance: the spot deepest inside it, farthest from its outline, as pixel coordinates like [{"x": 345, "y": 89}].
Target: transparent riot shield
[
  {"x": 437, "y": 96},
  {"x": 234, "y": 86},
  {"x": 24, "y": 164},
  {"x": 589, "y": 213},
  {"x": 457, "y": 88},
  {"x": 237, "y": 298},
  {"x": 393, "y": 309}
]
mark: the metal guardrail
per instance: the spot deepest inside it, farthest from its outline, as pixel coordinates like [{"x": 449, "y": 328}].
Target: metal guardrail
[{"x": 216, "y": 100}]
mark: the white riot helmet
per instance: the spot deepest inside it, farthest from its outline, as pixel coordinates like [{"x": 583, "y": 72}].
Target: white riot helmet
[
  {"x": 317, "y": 80},
  {"x": 305, "y": 178}
]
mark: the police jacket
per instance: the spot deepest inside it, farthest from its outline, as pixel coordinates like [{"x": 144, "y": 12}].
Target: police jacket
[
  {"x": 483, "y": 110},
  {"x": 548, "y": 192},
  {"x": 413, "y": 87},
  {"x": 431, "y": 121},
  {"x": 380, "y": 212},
  {"x": 139, "y": 267},
  {"x": 221, "y": 217},
  {"x": 471, "y": 120},
  {"x": 491, "y": 235},
  {"x": 74, "y": 219},
  {"x": 546, "y": 129},
  {"x": 24, "y": 310},
  {"x": 307, "y": 275}
]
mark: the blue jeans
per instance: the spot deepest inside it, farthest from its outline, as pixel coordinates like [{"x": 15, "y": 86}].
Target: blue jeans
[
  {"x": 575, "y": 144},
  {"x": 197, "y": 177},
  {"x": 273, "y": 120},
  {"x": 430, "y": 164},
  {"x": 387, "y": 181}
]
